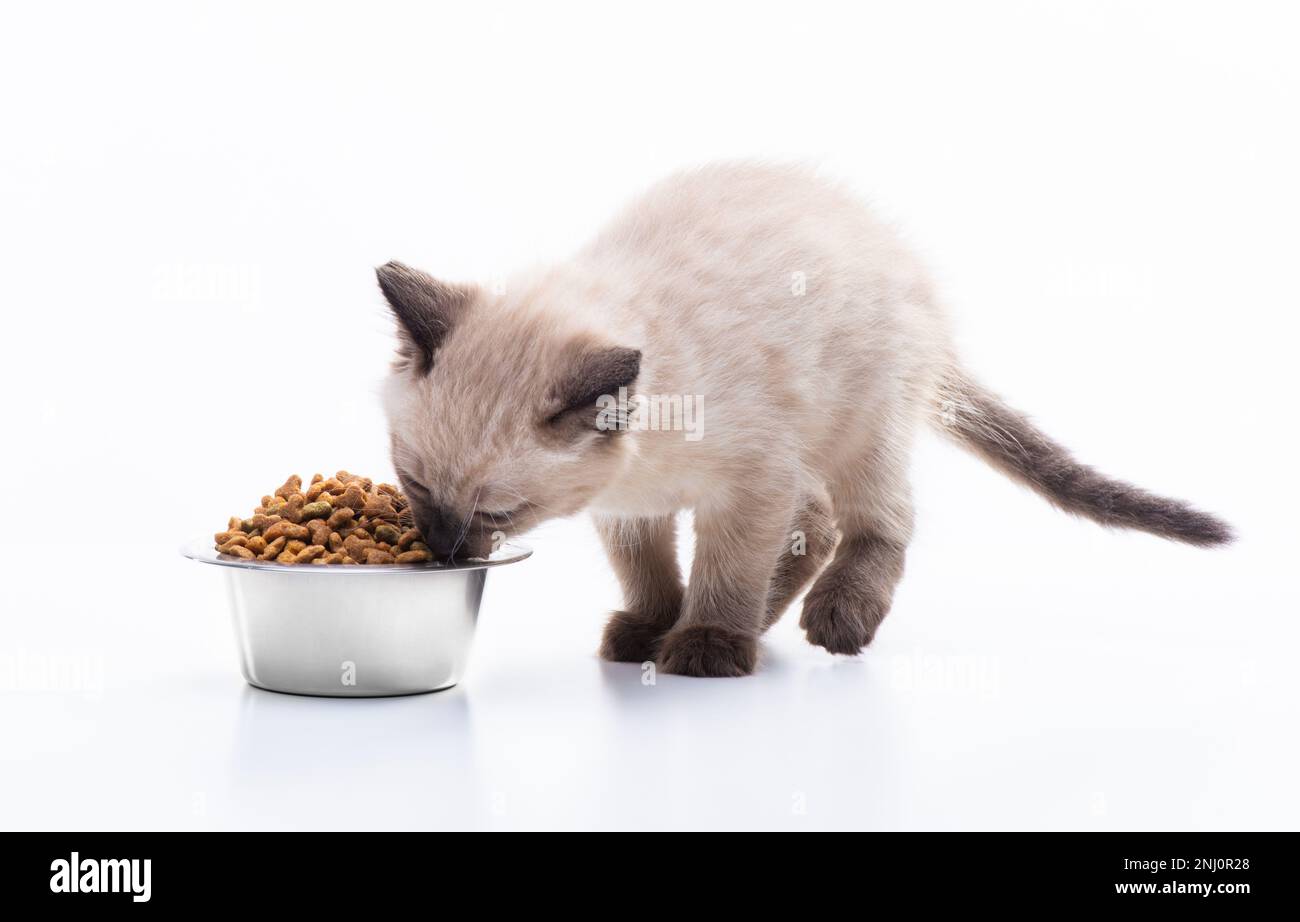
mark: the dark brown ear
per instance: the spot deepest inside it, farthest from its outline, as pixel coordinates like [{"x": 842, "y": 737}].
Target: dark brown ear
[
  {"x": 425, "y": 309},
  {"x": 596, "y": 372}
]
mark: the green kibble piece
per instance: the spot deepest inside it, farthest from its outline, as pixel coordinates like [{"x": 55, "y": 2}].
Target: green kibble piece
[
  {"x": 319, "y": 510},
  {"x": 387, "y": 534}
]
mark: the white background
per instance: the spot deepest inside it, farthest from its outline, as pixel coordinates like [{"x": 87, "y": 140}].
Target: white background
[{"x": 192, "y": 198}]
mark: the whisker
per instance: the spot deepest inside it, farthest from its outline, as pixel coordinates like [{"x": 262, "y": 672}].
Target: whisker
[{"x": 464, "y": 527}]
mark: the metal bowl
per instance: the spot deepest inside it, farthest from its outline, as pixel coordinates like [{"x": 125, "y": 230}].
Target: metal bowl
[{"x": 354, "y": 632}]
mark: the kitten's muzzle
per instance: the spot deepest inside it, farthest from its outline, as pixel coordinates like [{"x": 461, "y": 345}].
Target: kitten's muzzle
[
  {"x": 440, "y": 529},
  {"x": 449, "y": 534}
]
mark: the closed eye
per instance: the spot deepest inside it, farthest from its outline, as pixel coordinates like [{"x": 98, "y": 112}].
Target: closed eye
[{"x": 504, "y": 517}]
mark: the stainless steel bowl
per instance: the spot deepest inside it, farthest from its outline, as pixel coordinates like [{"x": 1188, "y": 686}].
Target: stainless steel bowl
[{"x": 354, "y": 632}]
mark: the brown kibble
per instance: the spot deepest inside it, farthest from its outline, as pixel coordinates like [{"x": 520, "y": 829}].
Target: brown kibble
[
  {"x": 286, "y": 529},
  {"x": 310, "y": 553},
  {"x": 342, "y": 520},
  {"x": 319, "y": 489},
  {"x": 292, "y": 508},
  {"x": 378, "y": 506},
  {"x": 353, "y": 498},
  {"x": 319, "y": 532},
  {"x": 273, "y": 549},
  {"x": 356, "y": 547},
  {"x": 317, "y": 510},
  {"x": 262, "y": 521},
  {"x": 408, "y": 536}
]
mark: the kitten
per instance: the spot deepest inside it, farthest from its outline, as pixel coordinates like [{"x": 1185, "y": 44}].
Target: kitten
[{"x": 810, "y": 345}]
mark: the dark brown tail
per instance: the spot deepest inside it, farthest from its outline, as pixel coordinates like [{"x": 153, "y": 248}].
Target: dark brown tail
[{"x": 982, "y": 423}]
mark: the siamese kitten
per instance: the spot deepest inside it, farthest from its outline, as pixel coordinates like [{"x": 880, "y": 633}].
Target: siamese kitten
[{"x": 776, "y": 348}]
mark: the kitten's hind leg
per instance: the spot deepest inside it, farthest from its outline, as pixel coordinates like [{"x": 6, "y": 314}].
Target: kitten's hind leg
[
  {"x": 643, "y": 552},
  {"x": 873, "y": 509},
  {"x": 807, "y": 547}
]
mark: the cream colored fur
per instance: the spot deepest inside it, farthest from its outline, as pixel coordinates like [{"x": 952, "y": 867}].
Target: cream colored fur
[{"x": 817, "y": 345}]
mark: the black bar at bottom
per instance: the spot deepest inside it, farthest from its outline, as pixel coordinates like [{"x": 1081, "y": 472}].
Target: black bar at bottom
[{"x": 336, "y": 869}]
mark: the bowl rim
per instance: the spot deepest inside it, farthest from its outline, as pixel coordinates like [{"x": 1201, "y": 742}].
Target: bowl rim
[{"x": 202, "y": 551}]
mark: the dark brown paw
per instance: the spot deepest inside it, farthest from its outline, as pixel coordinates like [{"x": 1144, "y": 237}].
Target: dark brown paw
[
  {"x": 710, "y": 652},
  {"x": 631, "y": 638},
  {"x": 842, "y": 622}
]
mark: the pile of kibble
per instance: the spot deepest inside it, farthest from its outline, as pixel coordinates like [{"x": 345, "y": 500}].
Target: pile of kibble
[{"x": 344, "y": 519}]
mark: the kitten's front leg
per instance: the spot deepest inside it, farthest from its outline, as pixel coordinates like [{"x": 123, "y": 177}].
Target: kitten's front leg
[
  {"x": 737, "y": 543},
  {"x": 643, "y": 552}
]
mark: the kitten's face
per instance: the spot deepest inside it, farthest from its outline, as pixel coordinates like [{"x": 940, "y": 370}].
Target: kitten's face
[{"x": 492, "y": 414}]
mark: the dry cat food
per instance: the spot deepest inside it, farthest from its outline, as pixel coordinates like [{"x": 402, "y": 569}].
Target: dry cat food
[{"x": 344, "y": 519}]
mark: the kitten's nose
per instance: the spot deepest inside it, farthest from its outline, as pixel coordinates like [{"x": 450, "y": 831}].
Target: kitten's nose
[{"x": 441, "y": 529}]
